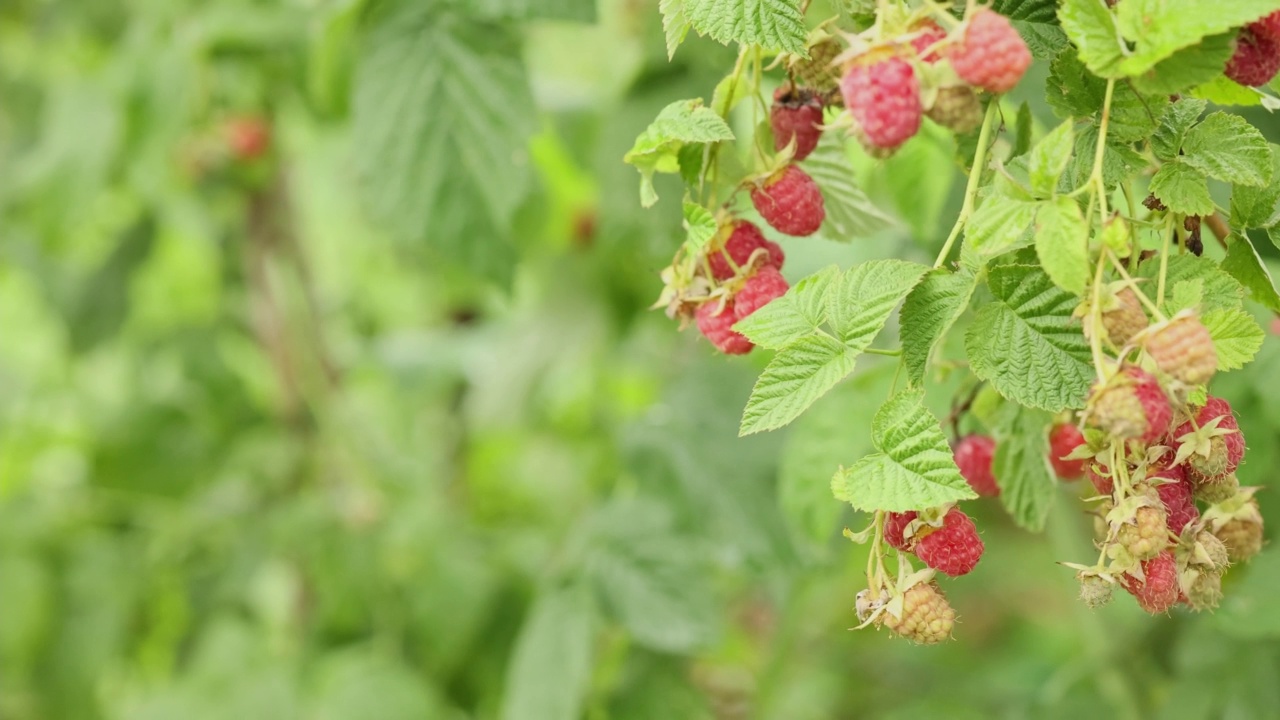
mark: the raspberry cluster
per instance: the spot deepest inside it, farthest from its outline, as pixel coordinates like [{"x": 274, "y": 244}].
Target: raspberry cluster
[{"x": 745, "y": 268}]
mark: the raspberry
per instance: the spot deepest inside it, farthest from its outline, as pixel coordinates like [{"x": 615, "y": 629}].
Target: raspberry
[
  {"x": 927, "y": 34},
  {"x": 990, "y": 54},
  {"x": 818, "y": 71},
  {"x": 1204, "y": 589},
  {"x": 791, "y": 202},
  {"x": 884, "y": 99},
  {"x": 895, "y": 524},
  {"x": 954, "y": 548},
  {"x": 1147, "y": 536},
  {"x": 1224, "y": 450},
  {"x": 743, "y": 239},
  {"x": 796, "y": 116},
  {"x": 1184, "y": 350},
  {"x": 1220, "y": 490},
  {"x": 973, "y": 455},
  {"x": 1214, "y": 548},
  {"x": 1242, "y": 536},
  {"x": 1126, "y": 319},
  {"x": 1268, "y": 26},
  {"x": 1101, "y": 479},
  {"x": 1158, "y": 590},
  {"x": 1256, "y": 60},
  {"x": 927, "y": 617},
  {"x": 1131, "y": 405},
  {"x": 716, "y": 323},
  {"x": 759, "y": 290},
  {"x": 1094, "y": 591},
  {"x": 248, "y": 137},
  {"x": 957, "y": 109},
  {"x": 1177, "y": 496},
  {"x": 1063, "y": 440}
]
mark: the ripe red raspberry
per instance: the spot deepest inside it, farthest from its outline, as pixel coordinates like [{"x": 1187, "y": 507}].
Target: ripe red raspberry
[
  {"x": 1268, "y": 26},
  {"x": 791, "y": 202},
  {"x": 796, "y": 115},
  {"x": 1126, "y": 319},
  {"x": 1225, "y": 451},
  {"x": 990, "y": 54},
  {"x": 956, "y": 108},
  {"x": 973, "y": 455},
  {"x": 927, "y": 617},
  {"x": 1158, "y": 590},
  {"x": 248, "y": 136},
  {"x": 927, "y": 34},
  {"x": 1183, "y": 349},
  {"x": 1256, "y": 60},
  {"x": 716, "y": 323},
  {"x": 759, "y": 290},
  {"x": 1063, "y": 440},
  {"x": 895, "y": 524},
  {"x": 1131, "y": 405},
  {"x": 883, "y": 96},
  {"x": 743, "y": 239},
  {"x": 954, "y": 548},
  {"x": 1177, "y": 496}
]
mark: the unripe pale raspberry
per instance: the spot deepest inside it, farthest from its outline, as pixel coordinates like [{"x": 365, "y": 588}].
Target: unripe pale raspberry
[
  {"x": 1226, "y": 451},
  {"x": 759, "y": 290},
  {"x": 990, "y": 54},
  {"x": 1147, "y": 536},
  {"x": 1203, "y": 589},
  {"x": 1159, "y": 590},
  {"x": 1242, "y": 536},
  {"x": 973, "y": 455},
  {"x": 743, "y": 238},
  {"x": 954, "y": 548},
  {"x": 1094, "y": 591},
  {"x": 926, "y": 35},
  {"x": 1126, "y": 320},
  {"x": 1063, "y": 440},
  {"x": 1219, "y": 557},
  {"x": 1183, "y": 349},
  {"x": 895, "y": 524},
  {"x": 927, "y": 617},
  {"x": 796, "y": 116},
  {"x": 1131, "y": 405},
  {"x": 716, "y": 324},
  {"x": 791, "y": 202},
  {"x": 1256, "y": 59},
  {"x": 956, "y": 108},
  {"x": 1219, "y": 490},
  {"x": 883, "y": 96},
  {"x": 818, "y": 71}
]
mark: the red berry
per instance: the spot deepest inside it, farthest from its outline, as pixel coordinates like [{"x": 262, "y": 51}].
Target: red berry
[
  {"x": 894, "y": 526},
  {"x": 1102, "y": 482},
  {"x": 1256, "y": 60},
  {"x": 791, "y": 202},
  {"x": 954, "y": 548},
  {"x": 1063, "y": 440},
  {"x": 716, "y": 323},
  {"x": 759, "y": 290},
  {"x": 1232, "y": 447},
  {"x": 796, "y": 115},
  {"x": 1268, "y": 26},
  {"x": 990, "y": 54},
  {"x": 247, "y": 136},
  {"x": 1159, "y": 590},
  {"x": 1132, "y": 405},
  {"x": 743, "y": 239},
  {"x": 973, "y": 455},
  {"x": 884, "y": 99},
  {"x": 927, "y": 35},
  {"x": 1177, "y": 496}
]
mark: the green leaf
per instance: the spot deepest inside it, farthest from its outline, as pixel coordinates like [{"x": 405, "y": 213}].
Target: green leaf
[
  {"x": 850, "y": 213},
  {"x": 1221, "y": 291},
  {"x": 1184, "y": 295},
  {"x": 1236, "y": 336},
  {"x": 862, "y": 300},
  {"x": 999, "y": 225},
  {"x": 797, "y": 313},
  {"x": 1177, "y": 121},
  {"x": 771, "y": 24},
  {"x": 1243, "y": 263},
  {"x": 657, "y": 148},
  {"x": 433, "y": 119},
  {"x": 913, "y": 469},
  {"x": 1021, "y": 465},
  {"x": 1224, "y": 91},
  {"x": 1049, "y": 159},
  {"x": 1191, "y": 67},
  {"x": 1182, "y": 188},
  {"x": 700, "y": 226},
  {"x": 928, "y": 313},
  {"x": 1257, "y": 206},
  {"x": 1073, "y": 92},
  {"x": 550, "y": 666},
  {"x": 1022, "y": 132},
  {"x": 1119, "y": 161},
  {"x": 1159, "y": 28},
  {"x": 1228, "y": 148},
  {"x": 675, "y": 24},
  {"x": 1037, "y": 22},
  {"x": 1091, "y": 28},
  {"x": 798, "y": 375},
  {"x": 1027, "y": 344},
  {"x": 1062, "y": 244}
]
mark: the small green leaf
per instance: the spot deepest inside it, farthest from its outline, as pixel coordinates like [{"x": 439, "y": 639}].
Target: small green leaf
[
  {"x": 1037, "y": 22},
  {"x": 771, "y": 24},
  {"x": 551, "y": 664},
  {"x": 700, "y": 226},
  {"x": 1243, "y": 263},
  {"x": 913, "y": 469},
  {"x": 1257, "y": 206},
  {"x": 1183, "y": 189},
  {"x": 798, "y": 375},
  {"x": 1224, "y": 91},
  {"x": 1021, "y": 465},
  {"x": 850, "y": 213},
  {"x": 801, "y": 311},
  {"x": 928, "y": 313},
  {"x": 999, "y": 225},
  {"x": 1022, "y": 132},
  {"x": 1228, "y": 148},
  {"x": 657, "y": 148},
  {"x": 862, "y": 300},
  {"x": 1050, "y": 157},
  {"x": 1177, "y": 121},
  {"x": 675, "y": 24},
  {"x": 1193, "y": 66},
  {"x": 1027, "y": 344},
  {"x": 1184, "y": 295},
  {"x": 1236, "y": 336},
  {"x": 1221, "y": 291},
  {"x": 1062, "y": 244},
  {"x": 1091, "y": 28}
]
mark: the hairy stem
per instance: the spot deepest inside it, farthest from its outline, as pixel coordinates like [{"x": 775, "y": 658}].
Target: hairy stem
[{"x": 975, "y": 176}]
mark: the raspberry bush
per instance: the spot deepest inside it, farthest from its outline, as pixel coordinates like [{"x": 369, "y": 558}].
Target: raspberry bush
[{"x": 1074, "y": 309}]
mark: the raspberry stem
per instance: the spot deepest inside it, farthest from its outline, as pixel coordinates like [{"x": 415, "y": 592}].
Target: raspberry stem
[
  {"x": 975, "y": 176},
  {"x": 1100, "y": 151},
  {"x": 1095, "y": 321},
  {"x": 1164, "y": 259}
]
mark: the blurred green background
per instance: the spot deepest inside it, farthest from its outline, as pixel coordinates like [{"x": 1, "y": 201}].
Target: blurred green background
[{"x": 369, "y": 419}]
